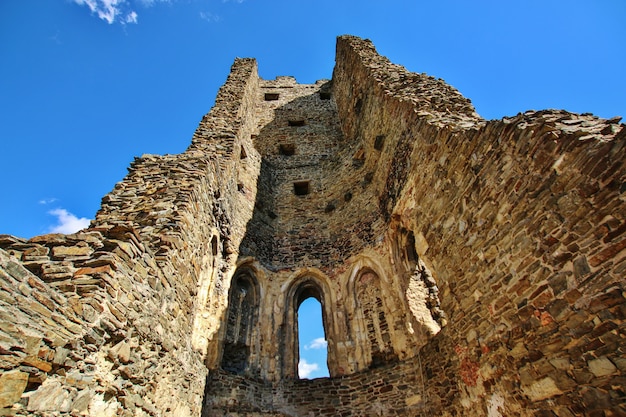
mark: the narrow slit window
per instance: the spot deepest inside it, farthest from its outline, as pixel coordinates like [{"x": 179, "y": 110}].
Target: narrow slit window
[
  {"x": 271, "y": 96},
  {"x": 214, "y": 246},
  {"x": 301, "y": 188},
  {"x": 287, "y": 149},
  {"x": 312, "y": 344},
  {"x": 379, "y": 142},
  {"x": 296, "y": 122}
]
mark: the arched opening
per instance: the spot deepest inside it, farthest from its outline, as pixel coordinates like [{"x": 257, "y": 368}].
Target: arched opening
[
  {"x": 240, "y": 323},
  {"x": 373, "y": 314},
  {"x": 313, "y": 350},
  {"x": 307, "y": 303}
]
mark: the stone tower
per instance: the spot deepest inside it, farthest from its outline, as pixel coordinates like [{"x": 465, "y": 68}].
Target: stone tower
[{"x": 464, "y": 267}]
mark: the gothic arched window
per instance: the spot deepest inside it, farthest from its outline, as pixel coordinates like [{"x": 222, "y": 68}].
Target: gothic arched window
[
  {"x": 374, "y": 316},
  {"x": 240, "y": 323},
  {"x": 303, "y": 289}
]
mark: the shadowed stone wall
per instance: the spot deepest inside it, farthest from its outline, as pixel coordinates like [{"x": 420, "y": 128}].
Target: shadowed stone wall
[{"x": 464, "y": 267}]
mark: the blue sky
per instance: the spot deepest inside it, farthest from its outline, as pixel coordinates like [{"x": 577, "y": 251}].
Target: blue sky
[
  {"x": 86, "y": 85},
  {"x": 312, "y": 341}
]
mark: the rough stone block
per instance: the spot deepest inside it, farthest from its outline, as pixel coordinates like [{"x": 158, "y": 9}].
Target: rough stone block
[{"x": 12, "y": 385}]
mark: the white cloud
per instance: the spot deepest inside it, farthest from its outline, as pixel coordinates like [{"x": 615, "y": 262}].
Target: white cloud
[
  {"x": 305, "y": 369},
  {"x": 47, "y": 200},
  {"x": 149, "y": 3},
  {"x": 210, "y": 17},
  {"x": 67, "y": 222},
  {"x": 319, "y": 343},
  {"x": 110, "y": 10},
  {"x": 131, "y": 18}
]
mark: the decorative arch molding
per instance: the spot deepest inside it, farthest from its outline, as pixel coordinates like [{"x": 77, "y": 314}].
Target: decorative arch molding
[
  {"x": 365, "y": 262},
  {"x": 239, "y": 334},
  {"x": 252, "y": 266},
  {"x": 372, "y": 321},
  {"x": 306, "y": 283}
]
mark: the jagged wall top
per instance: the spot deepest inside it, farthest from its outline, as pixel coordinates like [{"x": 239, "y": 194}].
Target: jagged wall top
[
  {"x": 432, "y": 97},
  {"x": 221, "y": 125}
]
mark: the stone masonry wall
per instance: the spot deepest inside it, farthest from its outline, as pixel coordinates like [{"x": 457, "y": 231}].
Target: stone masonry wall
[
  {"x": 330, "y": 238},
  {"x": 113, "y": 325},
  {"x": 464, "y": 267},
  {"x": 522, "y": 222}
]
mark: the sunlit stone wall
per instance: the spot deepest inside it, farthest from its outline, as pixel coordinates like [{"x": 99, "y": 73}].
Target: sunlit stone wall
[{"x": 464, "y": 267}]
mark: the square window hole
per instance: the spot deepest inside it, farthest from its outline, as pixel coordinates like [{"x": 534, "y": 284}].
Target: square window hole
[
  {"x": 301, "y": 187},
  {"x": 271, "y": 96},
  {"x": 325, "y": 95},
  {"x": 287, "y": 149},
  {"x": 298, "y": 122}
]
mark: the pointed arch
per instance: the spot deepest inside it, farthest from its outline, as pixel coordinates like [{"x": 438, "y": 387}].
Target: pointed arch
[
  {"x": 372, "y": 317},
  {"x": 241, "y": 321},
  {"x": 309, "y": 283}
]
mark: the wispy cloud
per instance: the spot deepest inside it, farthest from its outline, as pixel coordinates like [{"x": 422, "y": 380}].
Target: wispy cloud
[
  {"x": 110, "y": 10},
  {"x": 131, "y": 18},
  {"x": 148, "y": 3},
  {"x": 305, "y": 369},
  {"x": 319, "y": 343},
  {"x": 45, "y": 201},
  {"x": 210, "y": 17},
  {"x": 67, "y": 222}
]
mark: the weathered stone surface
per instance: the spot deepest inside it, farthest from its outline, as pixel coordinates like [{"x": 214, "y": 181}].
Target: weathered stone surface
[
  {"x": 542, "y": 389},
  {"x": 12, "y": 385},
  {"x": 601, "y": 367},
  {"x": 50, "y": 396}
]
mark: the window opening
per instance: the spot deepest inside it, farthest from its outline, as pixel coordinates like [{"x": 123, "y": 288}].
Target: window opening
[
  {"x": 411, "y": 253},
  {"x": 243, "y": 154},
  {"x": 287, "y": 149},
  {"x": 324, "y": 95},
  {"x": 296, "y": 123},
  {"x": 214, "y": 245},
  {"x": 301, "y": 188},
  {"x": 242, "y": 307},
  {"x": 271, "y": 96},
  {"x": 379, "y": 142},
  {"x": 313, "y": 351},
  {"x": 358, "y": 106}
]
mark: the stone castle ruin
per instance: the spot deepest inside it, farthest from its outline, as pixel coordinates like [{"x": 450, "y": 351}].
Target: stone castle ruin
[{"x": 464, "y": 267}]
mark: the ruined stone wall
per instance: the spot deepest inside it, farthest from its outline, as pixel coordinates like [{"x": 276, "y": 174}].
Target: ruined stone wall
[
  {"x": 464, "y": 267},
  {"x": 522, "y": 223},
  {"x": 125, "y": 316},
  {"x": 392, "y": 390}
]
